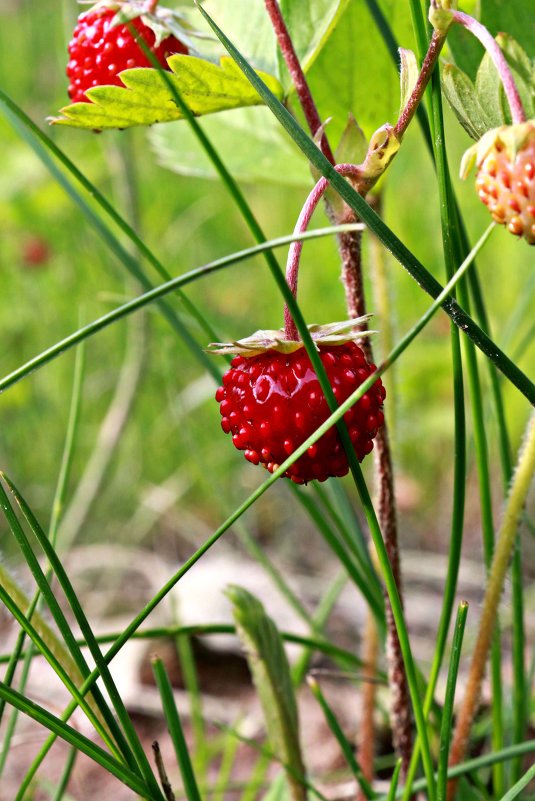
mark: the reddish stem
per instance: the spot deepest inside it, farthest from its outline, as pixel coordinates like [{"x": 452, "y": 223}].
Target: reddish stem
[
  {"x": 294, "y": 254},
  {"x": 431, "y": 58},
  {"x": 151, "y": 6},
  {"x": 491, "y": 46},
  {"x": 297, "y": 75}
]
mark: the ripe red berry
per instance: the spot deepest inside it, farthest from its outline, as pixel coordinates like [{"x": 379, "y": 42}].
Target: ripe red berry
[
  {"x": 99, "y": 52},
  {"x": 506, "y": 177},
  {"x": 272, "y": 402}
]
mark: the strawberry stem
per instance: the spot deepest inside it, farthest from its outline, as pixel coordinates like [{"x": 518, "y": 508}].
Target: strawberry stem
[
  {"x": 435, "y": 46},
  {"x": 294, "y": 254},
  {"x": 491, "y": 46},
  {"x": 151, "y": 6},
  {"x": 297, "y": 75}
]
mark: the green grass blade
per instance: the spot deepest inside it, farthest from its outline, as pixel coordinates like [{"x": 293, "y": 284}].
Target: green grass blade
[
  {"x": 270, "y": 755},
  {"x": 447, "y": 713},
  {"x": 351, "y": 535},
  {"x": 149, "y": 297},
  {"x": 489, "y": 759},
  {"x": 40, "y": 136},
  {"x": 313, "y": 643},
  {"x": 74, "y": 738},
  {"x": 60, "y": 620},
  {"x": 515, "y": 791},
  {"x": 175, "y": 730},
  {"x": 394, "y": 783},
  {"x": 66, "y": 460},
  {"x": 63, "y": 672},
  {"x": 186, "y": 657},
  {"x": 417, "y": 271},
  {"x": 122, "y": 255},
  {"x": 319, "y": 620},
  {"x": 61, "y": 788},
  {"x": 130, "y": 630},
  {"x": 135, "y": 749},
  {"x": 371, "y": 592},
  {"x": 343, "y": 742}
]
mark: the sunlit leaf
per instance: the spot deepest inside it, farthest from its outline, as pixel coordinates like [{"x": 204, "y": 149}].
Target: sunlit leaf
[{"x": 146, "y": 99}]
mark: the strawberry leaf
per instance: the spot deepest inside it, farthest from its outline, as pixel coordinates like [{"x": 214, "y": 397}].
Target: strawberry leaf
[
  {"x": 462, "y": 97},
  {"x": 265, "y": 153},
  {"x": 482, "y": 105},
  {"x": 146, "y": 99},
  {"x": 271, "y": 674},
  {"x": 356, "y": 47}
]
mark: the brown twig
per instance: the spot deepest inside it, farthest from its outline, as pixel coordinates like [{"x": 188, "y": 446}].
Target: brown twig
[{"x": 164, "y": 781}]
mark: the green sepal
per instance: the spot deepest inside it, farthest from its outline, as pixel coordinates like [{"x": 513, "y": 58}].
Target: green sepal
[
  {"x": 266, "y": 340},
  {"x": 146, "y": 98},
  {"x": 270, "y": 669},
  {"x": 353, "y": 145}
]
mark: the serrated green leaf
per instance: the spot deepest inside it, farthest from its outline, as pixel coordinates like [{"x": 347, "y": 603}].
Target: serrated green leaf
[
  {"x": 265, "y": 153},
  {"x": 271, "y": 674},
  {"x": 489, "y": 87},
  {"x": 462, "y": 97},
  {"x": 146, "y": 99}
]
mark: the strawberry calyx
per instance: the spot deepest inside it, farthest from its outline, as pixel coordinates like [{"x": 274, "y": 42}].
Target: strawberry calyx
[
  {"x": 163, "y": 22},
  {"x": 508, "y": 138},
  {"x": 263, "y": 341}
]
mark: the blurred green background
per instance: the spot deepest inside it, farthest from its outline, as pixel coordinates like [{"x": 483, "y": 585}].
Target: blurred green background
[{"x": 56, "y": 272}]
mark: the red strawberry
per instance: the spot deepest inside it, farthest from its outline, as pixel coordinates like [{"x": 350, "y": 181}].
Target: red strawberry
[
  {"x": 506, "y": 176},
  {"x": 99, "y": 52},
  {"x": 272, "y": 401}
]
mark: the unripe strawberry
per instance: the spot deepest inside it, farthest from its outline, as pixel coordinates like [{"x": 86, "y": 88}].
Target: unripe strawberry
[
  {"x": 271, "y": 402},
  {"x": 99, "y": 51},
  {"x": 505, "y": 180}
]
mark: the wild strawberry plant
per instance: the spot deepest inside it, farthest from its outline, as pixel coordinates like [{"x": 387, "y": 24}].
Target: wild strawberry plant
[{"x": 305, "y": 96}]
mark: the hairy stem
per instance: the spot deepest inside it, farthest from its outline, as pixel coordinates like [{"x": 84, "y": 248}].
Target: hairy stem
[
  {"x": 366, "y": 733},
  {"x": 350, "y": 251},
  {"x": 294, "y": 253},
  {"x": 506, "y": 539},
  {"x": 386, "y": 512},
  {"x": 491, "y": 46},
  {"x": 297, "y": 75},
  {"x": 431, "y": 58}
]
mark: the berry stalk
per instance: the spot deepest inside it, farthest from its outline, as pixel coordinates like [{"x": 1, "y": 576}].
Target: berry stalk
[
  {"x": 294, "y": 253},
  {"x": 489, "y": 43},
  {"x": 297, "y": 75}
]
